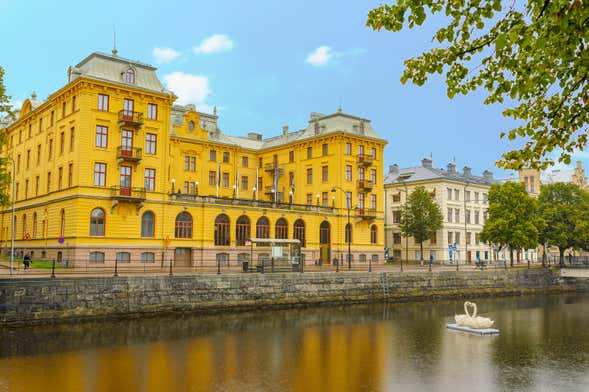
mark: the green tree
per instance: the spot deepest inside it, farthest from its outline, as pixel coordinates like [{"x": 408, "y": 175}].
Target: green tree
[
  {"x": 420, "y": 217},
  {"x": 4, "y": 111},
  {"x": 533, "y": 52},
  {"x": 565, "y": 210},
  {"x": 512, "y": 220}
]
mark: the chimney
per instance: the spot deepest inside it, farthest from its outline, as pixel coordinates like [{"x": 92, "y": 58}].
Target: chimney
[
  {"x": 427, "y": 163},
  {"x": 579, "y": 165},
  {"x": 284, "y": 130},
  {"x": 452, "y": 168},
  {"x": 393, "y": 169},
  {"x": 467, "y": 171},
  {"x": 254, "y": 136},
  {"x": 488, "y": 176}
]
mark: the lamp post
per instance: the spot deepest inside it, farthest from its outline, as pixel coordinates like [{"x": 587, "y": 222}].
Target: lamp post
[
  {"x": 173, "y": 183},
  {"x": 12, "y": 216},
  {"x": 346, "y": 233},
  {"x": 254, "y": 193},
  {"x": 234, "y": 190},
  {"x": 317, "y": 197},
  {"x": 290, "y": 197}
]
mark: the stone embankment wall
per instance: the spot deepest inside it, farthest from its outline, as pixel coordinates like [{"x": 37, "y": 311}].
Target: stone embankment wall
[{"x": 27, "y": 301}]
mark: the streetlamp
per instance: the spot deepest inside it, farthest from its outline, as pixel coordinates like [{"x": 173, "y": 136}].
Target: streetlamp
[
  {"x": 290, "y": 196},
  {"x": 173, "y": 183},
  {"x": 317, "y": 197},
  {"x": 348, "y": 227},
  {"x": 254, "y": 193},
  {"x": 234, "y": 190},
  {"x": 12, "y": 215}
]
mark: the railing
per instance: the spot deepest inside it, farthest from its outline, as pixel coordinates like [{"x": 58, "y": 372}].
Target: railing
[
  {"x": 127, "y": 193},
  {"x": 130, "y": 117},
  {"x": 365, "y": 184},
  {"x": 365, "y": 160},
  {"x": 366, "y": 213},
  {"x": 129, "y": 153},
  {"x": 248, "y": 202}
]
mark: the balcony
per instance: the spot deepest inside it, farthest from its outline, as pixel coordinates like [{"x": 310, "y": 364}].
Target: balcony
[
  {"x": 366, "y": 213},
  {"x": 270, "y": 167},
  {"x": 129, "y": 118},
  {"x": 128, "y": 194},
  {"x": 364, "y": 160},
  {"x": 129, "y": 154},
  {"x": 365, "y": 185}
]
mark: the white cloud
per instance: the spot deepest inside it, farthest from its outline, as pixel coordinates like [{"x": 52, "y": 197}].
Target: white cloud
[
  {"x": 320, "y": 56},
  {"x": 189, "y": 88},
  {"x": 165, "y": 55},
  {"x": 213, "y": 44}
]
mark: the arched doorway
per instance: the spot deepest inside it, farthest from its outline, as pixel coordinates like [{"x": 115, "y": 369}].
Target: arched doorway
[{"x": 325, "y": 242}]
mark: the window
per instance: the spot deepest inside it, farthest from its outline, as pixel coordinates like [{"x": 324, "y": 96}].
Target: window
[
  {"x": 397, "y": 197},
  {"x": 325, "y": 149},
  {"x": 325, "y": 173},
  {"x": 212, "y": 178},
  {"x": 186, "y": 163},
  {"x": 309, "y": 176},
  {"x": 348, "y": 199},
  {"x": 361, "y": 174},
  {"x": 476, "y": 217},
  {"x": 61, "y": 143},
  {"x": 96, "y": 257},
  {"x": 373, "y": 176},
  {"x": 212, "y": 155},
  {"x": 34, "y": 225},
  {"x": 70, "y": 175},
  {"x": 299, "y": 232},
  {"x": 222, "y": 230},
  {"x": 450, "y": 237},
  {"x": 99, "y": 174},
  {"x": 467, "y": 195},
  {"x": 37, "y": 180},
  {"x": 449, "y": 218},
  {"x": 225, "y": 179},
  {"x": 309, "y": 199},
  {"x": 373, "y": 202},
  {"x": 456, "y": 194},
  {"x": 348, "y": 172},
  {"x": 468, "y": 238},
  {"x": 51, "y": 121},
  {"x": 348, "y": 148},
  {"x": 361, "y": 201},
  {"x": 48, "y": 183},
  {"x": 532, "y": 190},
  {"x": 397, "y": 217},
  {"x": 152, "y": 111},
  {"x": 150, "y": 143},
  {"x": 101, "y": 136},
  {"x": 72, "y": 138},
  {"x": 183, "y": 225},
  {"x": 50, "y": 149},
  {"x": 433, "y": 240},
  {"x": 348, "y": 233},
  {"x": 26, "y": 189},
  {"x": 244, "y": 183},
  {"x": 59, "y": 178},
  {"x": 457, "y": 237},
  {"x": 130, "y": 75},
  {"x": 97, "y": 222},
  {"x": 63, "y": 106},
  {"x": 226, "y": 157},
  {"x": 373, "y": 234},
  {"x": 281, "y": 229},
  {"x": 242, "y": 230},
  {"x": 244, "y": 161},
  {"x": 309, "y": 152},
  {"x": 186, "y": 187},
  {"x": 373, "y": 152},
  {"x": 123, "y": 257},
  {"x": 361, "y": 151},
  {"x": 476, "y": 197},
  {"x": 291, "y": 156},
  {"x": 18, "y": 164},
  {"x": 40, "y": 127},
  {"x": 449, "y": 193},
  {"x": 485, "y": 198},
  {"x": 73, "y": 104},
  {"x": 28, "y": 159},
  {"x": 263, "y": 228},
  {"x": 325, "y": 199},
  {"x": 477, "y": 240},
  {"x": 149, "y": 179},
  {"x": 38, "y": 154},
  {"x": 456, "y": 215},
  {"x": 148, "y": 257},
  {"x": 103, "y": 102},
  {"x": 467, "y": 216},
  {"x": 396, "y": 238}
]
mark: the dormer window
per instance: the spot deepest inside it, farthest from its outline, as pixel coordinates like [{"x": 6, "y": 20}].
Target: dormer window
[{"x": 130, "y": 75}]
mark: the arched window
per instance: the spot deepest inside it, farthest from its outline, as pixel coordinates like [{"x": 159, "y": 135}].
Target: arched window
[
  {"x": 34, "y": 225},
  {"x": 24, "y": 225},
  {"x": 147, "y": 224},
  {"x": 62, "y": 224},
  {"x": 281, "y": 229},
  {"x": 263, "y": 228},
  {"x": 299, "y": 232},
  {"x": 183, "y": 225},
  {"x": 222, "y": 230},
  {"x": 130, "y": 75},
  {"x": 325, "y": 233},
  {"x": 348, "y": 233},
  {"x": 97, "y": 222},
  {"x": 242, "y": 230},
  {"x": 373, "y": 234}
]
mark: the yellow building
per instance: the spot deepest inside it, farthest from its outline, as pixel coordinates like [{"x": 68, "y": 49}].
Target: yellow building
[{"x": 107, "y": 168}]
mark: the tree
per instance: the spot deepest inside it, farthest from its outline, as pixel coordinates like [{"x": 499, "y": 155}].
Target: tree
[
  {"x": 4, "y": 111},
  {"x": 565, "y": 210},
  {"x": 512, "y": 220},
  {"x": 534, "y": 52},
  {"x": 420, "y": 217}
]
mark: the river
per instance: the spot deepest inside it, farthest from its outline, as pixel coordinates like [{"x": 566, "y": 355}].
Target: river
[{"x": 543, "y": 346}]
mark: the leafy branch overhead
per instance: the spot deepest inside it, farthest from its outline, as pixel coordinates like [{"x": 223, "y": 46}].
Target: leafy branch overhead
[{"x": 532, "y": 52}]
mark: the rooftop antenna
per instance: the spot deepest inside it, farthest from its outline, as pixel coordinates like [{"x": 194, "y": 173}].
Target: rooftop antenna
[
  {"x": 339, "y": 109},
  {"x": 114, "y": 43}
]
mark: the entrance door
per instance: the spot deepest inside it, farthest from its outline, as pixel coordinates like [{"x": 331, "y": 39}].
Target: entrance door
[
  {"x": 325, "y": 242},
  {"x": 128, "y": 107},
  {"x": 127, "y": 143},
  {"x": 126, "y": 180},
  {"x": 469, "y": 256},
  {"x": 183, "y": 257}
]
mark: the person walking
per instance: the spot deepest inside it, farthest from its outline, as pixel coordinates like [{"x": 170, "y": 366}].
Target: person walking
[{"x": 26, "y": 261}]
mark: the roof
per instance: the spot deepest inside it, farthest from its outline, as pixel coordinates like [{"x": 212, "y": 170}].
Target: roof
[{"x": 421, "y": 173}]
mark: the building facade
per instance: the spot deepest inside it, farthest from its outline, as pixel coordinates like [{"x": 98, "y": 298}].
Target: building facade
[
  {"x": 462, "y": 198},
  {"x": 108, "y": 168}
]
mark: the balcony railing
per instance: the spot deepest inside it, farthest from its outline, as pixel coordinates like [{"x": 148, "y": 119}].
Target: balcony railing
[
  {"x": 128, "y": 194},
  {"x": 366, "y": 213},
  {"x": 365, "y": 185},
  {"x": 365, "y": 160},
  {"x": 131, "y": 154},
  {"x": 130, "y": 118}
]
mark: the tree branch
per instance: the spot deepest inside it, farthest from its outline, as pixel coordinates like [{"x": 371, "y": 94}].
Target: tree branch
[{"x": 543, "y": 8}]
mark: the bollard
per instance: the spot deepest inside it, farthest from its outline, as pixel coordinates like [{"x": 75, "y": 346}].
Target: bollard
[
  {"x": 170, "y": 274},
  {"x": 53, "y": 269}
]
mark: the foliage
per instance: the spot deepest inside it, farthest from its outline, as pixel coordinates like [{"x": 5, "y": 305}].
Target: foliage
[
  {"x": 420, "y": 217},
  {"x": 512, "y": 220},
  {"x": 4, "y": 110},
  {"x": 565, "y": 210},
  {"x": 533, "y": 52}
]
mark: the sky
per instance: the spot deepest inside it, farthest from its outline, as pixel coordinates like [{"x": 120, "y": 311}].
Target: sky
[{"x": 263, "y": 64}]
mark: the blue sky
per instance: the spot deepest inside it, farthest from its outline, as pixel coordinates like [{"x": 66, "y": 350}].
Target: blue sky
[{"x": 264, "y": 64}]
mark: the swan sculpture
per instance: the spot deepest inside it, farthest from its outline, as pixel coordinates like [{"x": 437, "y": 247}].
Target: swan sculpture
[{"x": 472, "y": 321}]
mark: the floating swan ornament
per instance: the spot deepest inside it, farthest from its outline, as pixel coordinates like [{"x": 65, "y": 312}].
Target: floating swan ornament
[{"x": 474, "y": 321}]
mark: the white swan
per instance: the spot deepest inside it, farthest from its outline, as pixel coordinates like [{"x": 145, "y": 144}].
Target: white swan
[{"x": 474, "y": 321}]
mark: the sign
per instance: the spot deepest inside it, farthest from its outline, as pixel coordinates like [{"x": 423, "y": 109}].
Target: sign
[
  {"x": 277, "y": 251},
  {"x": 61, "y": 240},
  {"x": 248, "y": 243}
]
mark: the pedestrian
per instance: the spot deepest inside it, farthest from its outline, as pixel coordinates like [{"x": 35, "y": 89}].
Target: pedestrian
[
  {"x": 431, "y": 261},
  {"x": 335, "y": 261},
  {"x": 26, "y": 261}
]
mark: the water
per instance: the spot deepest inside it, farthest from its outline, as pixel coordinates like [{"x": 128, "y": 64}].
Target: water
[{"x": 543, "y": 346}]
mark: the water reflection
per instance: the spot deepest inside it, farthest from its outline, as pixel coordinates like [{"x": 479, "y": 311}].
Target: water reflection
[{"x": 544, "y": 345}]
